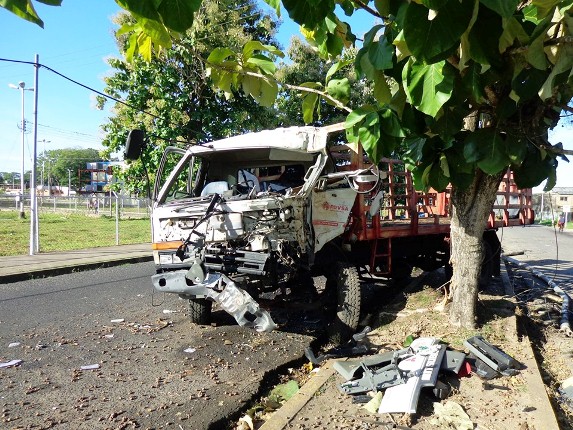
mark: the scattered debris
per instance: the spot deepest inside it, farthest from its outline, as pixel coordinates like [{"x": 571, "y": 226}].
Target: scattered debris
[
  {"x": 90, "y": 367},
  {"x": 566, "y": 391},
  {"x": 403, "y": 373},
  {"x": 11, "y": 363},
  {"x": 14, "y": 344},
  {"x": 190, "y": 350},
  {"x": 490, "y": 361},
  {"x": 245, "y": 423},
  {"x": 118, "y": 320},
  {"x": 373, "y": 405},
  {"x": 351, "y": 349},
  {"x": 283, "y": 392},
  {"x": 451, "y": 415}
]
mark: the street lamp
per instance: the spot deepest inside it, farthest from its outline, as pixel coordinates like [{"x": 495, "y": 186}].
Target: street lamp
[{"x": 22, "y": 87}]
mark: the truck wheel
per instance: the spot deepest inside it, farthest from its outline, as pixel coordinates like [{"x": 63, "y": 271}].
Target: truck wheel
[
  {"x": 348, "y": 303},
  {"x": 200, "y": 311},
  {"x": 487, "y": 266}
]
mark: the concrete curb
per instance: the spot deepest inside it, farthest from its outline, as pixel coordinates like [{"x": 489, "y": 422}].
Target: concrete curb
[
  {"x": 71, "y": 267},
  {"x": 281, "y": 418}
]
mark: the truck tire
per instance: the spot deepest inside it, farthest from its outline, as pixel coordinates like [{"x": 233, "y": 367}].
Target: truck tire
[
  {"x": 200, "y": 311},
  {"x": 348, "y": 296}
]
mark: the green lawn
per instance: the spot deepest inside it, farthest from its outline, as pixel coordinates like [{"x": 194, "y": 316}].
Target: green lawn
[{"x": 64, "y": 232}]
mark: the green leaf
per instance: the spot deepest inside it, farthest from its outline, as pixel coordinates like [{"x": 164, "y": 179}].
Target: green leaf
[
  {"x": 536, "y": 55},
  {"x": 218, "y": 55},
  {"x": 512, "y": 30},
  {"x": 357, "y": 116},
  {"x": 177, "y": 15},
  {"x": 380, "y": 54},
  {"x": 430, "y": 40},
  {"x": 24, "y": 9},
  {"x": 544, "y": 7},
  {"x": 534, "y": 169},
  {"x": 448, "y": 124},
  {"x": 487, "y": 148},
  {"x": 308, "y": 12},
  {"x": 415, "y": 149},
  {"x": 437, "y": 178},
  {"x": 371, "y": 35},
  {"x": 253, "y": 46},
  {"x": 434, "y": 4},
  {"x": 284, "y": 392},
  {"x": 402, "y": 50},
  {"x": 276, "y": 5},
  {"x": 308, "y": 105},
  {"x": 382, "y": 92},
  {"x": 516, "y": 147},
  {"x": 563, "y": 64},
  {"x": 390, "y": 124},
  {"x": 484, "y": 38},
  {"x": 51, "y": 2},
  {"x": 369, "y": 134},
  {"x": 363, "y": 65},
  {"x": 264, "y": 64},
  {"x": 504, "y": 8},
  {"x": 408, "y": 341},
  {"x": 428, "y": 86},
  {"x": 339, "y": 89},
  {"x": 528, "y": 82},
  {"x": 472, "y": 81},
  {"x": 336, "y": 67}
]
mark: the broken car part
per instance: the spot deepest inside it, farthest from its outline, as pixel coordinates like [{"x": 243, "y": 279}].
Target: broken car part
[{"x": 492, "y": 356}]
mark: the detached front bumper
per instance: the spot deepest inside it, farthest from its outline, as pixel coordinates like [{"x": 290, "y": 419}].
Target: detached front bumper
[{"x": 218, "y": 288}]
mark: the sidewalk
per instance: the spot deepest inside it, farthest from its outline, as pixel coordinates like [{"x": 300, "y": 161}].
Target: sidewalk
[{"x": 21, "y": 267}]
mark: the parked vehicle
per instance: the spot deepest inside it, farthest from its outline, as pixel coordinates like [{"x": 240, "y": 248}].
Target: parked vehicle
[{"x": 268, "y": 209}]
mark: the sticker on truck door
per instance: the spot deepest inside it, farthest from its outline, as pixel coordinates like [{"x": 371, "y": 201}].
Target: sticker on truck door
[{"x": 330, "y": 211}]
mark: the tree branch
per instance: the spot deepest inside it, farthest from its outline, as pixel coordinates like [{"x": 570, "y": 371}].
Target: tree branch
[
  {"x": 324, "y": 95},
  {"x": 368, "y": 9}
]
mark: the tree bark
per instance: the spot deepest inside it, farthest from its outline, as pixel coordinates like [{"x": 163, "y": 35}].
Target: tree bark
[{"x": 470, "y": 212}]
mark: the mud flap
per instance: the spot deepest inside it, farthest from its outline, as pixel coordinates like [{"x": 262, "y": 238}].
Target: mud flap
[{"x": 238, "y": 303}]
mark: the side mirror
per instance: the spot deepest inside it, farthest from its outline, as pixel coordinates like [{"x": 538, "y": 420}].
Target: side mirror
[{"x": 134, "y": 144}]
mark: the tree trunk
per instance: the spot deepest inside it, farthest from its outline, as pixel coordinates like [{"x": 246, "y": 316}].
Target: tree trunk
[{"x": 471, "y": 209}]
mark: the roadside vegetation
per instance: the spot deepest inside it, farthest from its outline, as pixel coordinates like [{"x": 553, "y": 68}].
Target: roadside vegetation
[{"x": 66, "y": 232}]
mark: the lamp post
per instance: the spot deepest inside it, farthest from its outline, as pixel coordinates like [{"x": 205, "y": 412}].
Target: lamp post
[
  {"x": 69, "y": 181},
  {"x": 22, "y": 87},
  {"x": 44, "y": 141}
]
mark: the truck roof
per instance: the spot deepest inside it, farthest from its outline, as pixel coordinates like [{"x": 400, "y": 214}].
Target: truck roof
[{"x": 297, "y": 139}]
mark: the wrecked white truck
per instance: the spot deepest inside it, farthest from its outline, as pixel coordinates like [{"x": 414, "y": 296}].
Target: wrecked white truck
[{"x": 268, "y": 209}]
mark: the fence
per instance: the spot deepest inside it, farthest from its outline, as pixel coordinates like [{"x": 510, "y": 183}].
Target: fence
[{"x": 75, "y": 222}]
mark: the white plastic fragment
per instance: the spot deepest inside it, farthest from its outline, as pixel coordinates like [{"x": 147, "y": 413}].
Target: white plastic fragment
[
  {"x": 10, "y": 363},
  {"x": 14, "y": 344},
  {"x": 190, "y": 350},
  {"x": 118, "y": 320},
  {"x": 90, "y": 367},
  {"x": 109, "y": 336},
  {"x": 168, "y": 311}
]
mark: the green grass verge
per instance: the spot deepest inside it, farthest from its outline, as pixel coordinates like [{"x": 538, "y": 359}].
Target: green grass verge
[{"x": 66, "y": 232}]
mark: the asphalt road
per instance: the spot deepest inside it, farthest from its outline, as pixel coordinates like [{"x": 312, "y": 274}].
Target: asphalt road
[
  {"x": 154, "y": 369},
  {"x": 544, "y": 248}
]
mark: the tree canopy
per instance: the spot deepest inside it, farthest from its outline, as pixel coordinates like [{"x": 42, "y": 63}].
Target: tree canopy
[{"x": 171, "y": 97}]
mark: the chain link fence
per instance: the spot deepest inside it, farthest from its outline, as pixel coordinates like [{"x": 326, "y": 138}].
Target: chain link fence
[{"x": 75, "y": 222}]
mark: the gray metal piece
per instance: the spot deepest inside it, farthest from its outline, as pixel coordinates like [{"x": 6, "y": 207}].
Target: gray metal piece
[
  {"x": 218, "y": 288},
  {"x": 453, "y": 361},
  {"x": 352, "y": 369},
  {"x": 492, "y": 356}
]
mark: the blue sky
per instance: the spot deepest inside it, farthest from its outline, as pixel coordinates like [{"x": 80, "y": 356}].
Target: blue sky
[{"x": 76, "y": 40}]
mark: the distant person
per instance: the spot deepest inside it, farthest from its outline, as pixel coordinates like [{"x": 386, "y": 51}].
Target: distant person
[{"x": 561, "y": 222}]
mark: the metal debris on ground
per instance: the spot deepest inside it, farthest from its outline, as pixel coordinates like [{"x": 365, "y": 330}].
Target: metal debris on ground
[
  {"x": 11, "y": 363},
  {"x": 403, "y": 373},
  {"x": 540, "y": 295},
  {"x": 352, "y": 348},
  {"x": 90, "y": 367}
]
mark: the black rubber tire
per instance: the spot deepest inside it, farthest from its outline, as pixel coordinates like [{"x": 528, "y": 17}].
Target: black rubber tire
[
  {"x": 487, "y": 266},
  {"x": 200, "y": 311},
  {"x": 348, "y": 295}
]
